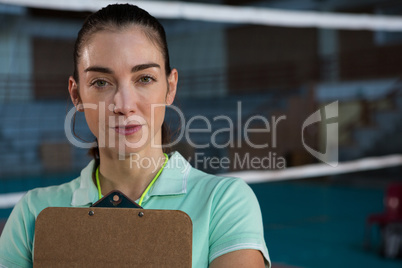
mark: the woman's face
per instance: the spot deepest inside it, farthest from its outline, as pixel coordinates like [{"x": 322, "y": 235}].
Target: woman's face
[{"x": 123, "y": 88}]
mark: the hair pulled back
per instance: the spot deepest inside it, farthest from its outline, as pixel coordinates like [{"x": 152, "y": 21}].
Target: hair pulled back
[{"x": 119, "y": 17}]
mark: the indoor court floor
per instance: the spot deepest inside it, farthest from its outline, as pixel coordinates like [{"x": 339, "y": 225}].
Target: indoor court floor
[{"x": 320, "y": 225}]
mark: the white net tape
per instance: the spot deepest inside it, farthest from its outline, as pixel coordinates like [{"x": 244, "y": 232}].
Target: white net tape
[
  {"x": 233, "y": 14},
  {"x": 316, "y": 170},
  {"x": 10, "y": 199}
]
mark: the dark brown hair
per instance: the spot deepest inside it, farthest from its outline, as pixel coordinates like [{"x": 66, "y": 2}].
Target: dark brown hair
[{"x": 120, "y": 16}]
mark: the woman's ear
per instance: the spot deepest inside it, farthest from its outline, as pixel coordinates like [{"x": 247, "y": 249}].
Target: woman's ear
[
  {"x": 74, "y": 94},
  {"x": 172, "y": 86}
]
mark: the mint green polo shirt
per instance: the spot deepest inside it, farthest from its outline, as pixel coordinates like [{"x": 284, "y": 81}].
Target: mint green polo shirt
[{"x": 225, "y": 212}]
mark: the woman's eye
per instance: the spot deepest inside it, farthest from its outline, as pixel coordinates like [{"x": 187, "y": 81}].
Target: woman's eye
[
  {"x": 100, "y": 83},
  {"x": 146, "y": 79}
]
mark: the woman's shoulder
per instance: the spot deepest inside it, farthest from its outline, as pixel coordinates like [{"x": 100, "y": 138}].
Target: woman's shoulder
[
  {"x": 55, "y": 192},
  {"x": 56, "y": 196},
  {"x": 219, "y": 184},
  {"x": 216, "y": 179},
  {"x": 194, "y": 178}
]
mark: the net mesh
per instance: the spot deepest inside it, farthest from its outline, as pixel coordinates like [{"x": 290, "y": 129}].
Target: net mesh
[{"x": 225, "y": 69}]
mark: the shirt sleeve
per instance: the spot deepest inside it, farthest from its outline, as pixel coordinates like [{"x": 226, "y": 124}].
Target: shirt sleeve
[
  {"x": 236, "y": 221},
  {"x": 17, "y": 237}
]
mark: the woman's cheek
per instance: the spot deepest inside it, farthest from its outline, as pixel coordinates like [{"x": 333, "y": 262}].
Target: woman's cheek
[{"x": 95, "y": 123}]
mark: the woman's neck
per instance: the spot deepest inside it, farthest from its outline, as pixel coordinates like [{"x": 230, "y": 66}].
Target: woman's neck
[{"x": 131, "y": 175}]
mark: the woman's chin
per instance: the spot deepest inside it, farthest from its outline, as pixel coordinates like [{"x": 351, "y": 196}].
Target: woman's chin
[
  {"x": 129, "y": 146},
  {"x": 126, "y": 152}
]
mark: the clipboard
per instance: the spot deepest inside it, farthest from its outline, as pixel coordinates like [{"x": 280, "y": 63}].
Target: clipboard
[
  {"x": 116, "y": 199},
  {"x": 105, "y": 237}
]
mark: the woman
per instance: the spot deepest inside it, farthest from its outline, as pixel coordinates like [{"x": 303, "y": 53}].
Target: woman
[{"x": 122, "y": 82}]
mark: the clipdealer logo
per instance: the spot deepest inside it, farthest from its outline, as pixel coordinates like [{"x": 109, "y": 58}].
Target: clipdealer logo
[
  {"x": 330, "y": 156},
  {"x": 237, "y": 133}
]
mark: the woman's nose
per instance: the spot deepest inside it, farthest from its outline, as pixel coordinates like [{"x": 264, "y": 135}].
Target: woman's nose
[{"x": 124, "y": 101}]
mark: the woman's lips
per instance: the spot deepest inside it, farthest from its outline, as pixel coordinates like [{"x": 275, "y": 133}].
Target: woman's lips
[{"x": 127, "y": 130}]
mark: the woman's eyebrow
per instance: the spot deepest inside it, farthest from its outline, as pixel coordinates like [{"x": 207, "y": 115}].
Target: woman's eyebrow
[
  {"x": 136, "y": 68},
  {"x": 98, "y": 69},
  {"x": 141, "y": 67}
]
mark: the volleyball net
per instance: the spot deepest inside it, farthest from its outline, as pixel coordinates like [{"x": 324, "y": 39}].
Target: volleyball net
[
  {"x": 293, "y": 173},
  {"x": 233, "y": 14},
  {"x": 274, "y": 62}
]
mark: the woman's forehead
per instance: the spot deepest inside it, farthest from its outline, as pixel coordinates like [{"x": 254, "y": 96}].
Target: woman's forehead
[{"x": 129, "y": 46}]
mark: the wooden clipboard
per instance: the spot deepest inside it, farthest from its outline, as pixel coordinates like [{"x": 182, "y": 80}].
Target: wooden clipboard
[{"x": 109, "y": 237}]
